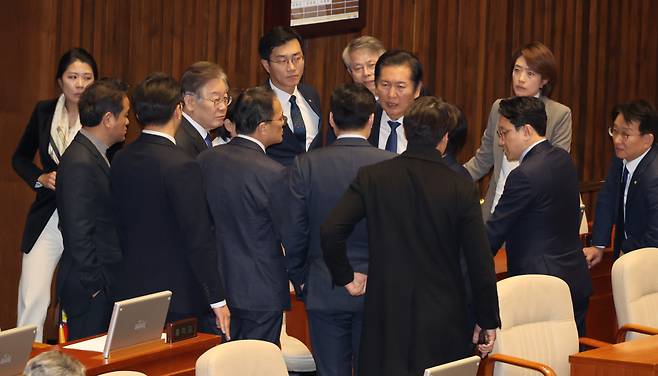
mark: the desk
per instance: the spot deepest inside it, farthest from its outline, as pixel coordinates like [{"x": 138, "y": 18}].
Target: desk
[
  {"x": 153, "y": 358},
  {"x": 637, "y": 358}
]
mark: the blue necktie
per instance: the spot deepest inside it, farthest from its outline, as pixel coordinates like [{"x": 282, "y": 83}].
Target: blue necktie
[
  {"x": 392, "y": 142},
  {"x": 208, "y": 141},
  {"x": 619, "y": 226},
  {"x": 298, "y": 126}
]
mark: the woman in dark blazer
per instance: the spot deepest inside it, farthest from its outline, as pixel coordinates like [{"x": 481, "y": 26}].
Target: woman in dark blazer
[{"x": 51, "y": 128}]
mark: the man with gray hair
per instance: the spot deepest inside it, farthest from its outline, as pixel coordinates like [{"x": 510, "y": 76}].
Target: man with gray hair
[
  {"x": 54, "y": 363},
  {"x": 206, "y": 97},
  {"x": 360, "y": 57}
]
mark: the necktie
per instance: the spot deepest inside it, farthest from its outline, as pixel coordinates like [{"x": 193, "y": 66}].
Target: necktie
[
  {"x": 392, "y": 142},
  {"x": 208, "y": 141},
  {"x": 619, "y": 228},
  {"x": 298, "y": 126}
]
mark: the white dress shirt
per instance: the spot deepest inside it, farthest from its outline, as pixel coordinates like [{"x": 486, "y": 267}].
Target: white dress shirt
[
  {"x": 311, "y": 119},
  {"x": 385, "y": 131}
]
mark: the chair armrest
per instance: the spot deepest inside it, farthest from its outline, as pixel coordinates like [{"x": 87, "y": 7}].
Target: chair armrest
[
  {"x": 593, "y": 343},
  {"x": 487, "y": 364},
  {"x": 621, "y": 333}
]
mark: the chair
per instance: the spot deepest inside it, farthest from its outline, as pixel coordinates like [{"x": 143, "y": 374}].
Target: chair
[
  {"x": 297, "y": 356},
  {"x": 247, "y": 357},
  {"x": 123, "y": 373},
  {"x": 538, "y": 328},
  {"x": 635, "y": 292}
]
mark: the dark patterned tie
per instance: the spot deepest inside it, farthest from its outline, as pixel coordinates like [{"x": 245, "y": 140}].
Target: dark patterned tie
[
  {"x": 208, "y": 141},
  {"x": 392, "y": 142},
  {"x": 619, "y": 227},
  {"x": 298, "y": 126}
]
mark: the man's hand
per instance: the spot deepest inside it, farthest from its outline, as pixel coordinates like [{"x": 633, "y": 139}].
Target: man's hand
[
  {"x": 485, "y": 348},
  {"x": 593, "y": 255},
  {"x": 358, "y": 285},
  {"x": 48, "y": 180},
  {"x": 223, "y": 320}
]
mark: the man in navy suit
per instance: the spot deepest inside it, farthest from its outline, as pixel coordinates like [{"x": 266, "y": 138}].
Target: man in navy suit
[
  {"x": 317, "y": 181},
  {"x": 398, "y": 82},
  {"x": 538, "y": 215},
  {"x": 282, "y": 57},
  {"x": 164, "y": 227},
  {"x": 244, "y": 188},
  {"x": 91, "y": 246},
  {"x": 629, "y": 198}
]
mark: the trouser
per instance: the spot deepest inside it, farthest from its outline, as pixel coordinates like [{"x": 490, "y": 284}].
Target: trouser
[
  {"x": 263, "y": 325},
  {"x": 36, "y": 276},
  {"x": 335, "y": 337},
  {"x": 95, "y": 320}
]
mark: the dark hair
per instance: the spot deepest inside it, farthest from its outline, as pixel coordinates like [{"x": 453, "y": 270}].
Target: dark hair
[
  {"x": 276, "y": 37},
  {"x": 155, "y": 99},
  {"x": 641, "y": 111},
  {"x": 102, "y": 96},
  {"x": 457, "y": 135},
  {"x": 428, "y": 120},
  {"x": 254, "y": 106},
  {"x": 198, "y": 74},
  {"x": 351, "y": 106},
  {"x": 73, "y": 55},
  {"x": 540, "y": 60},
  {"x": 524, "y": 110},
  {"x": 399, "y": 57}
]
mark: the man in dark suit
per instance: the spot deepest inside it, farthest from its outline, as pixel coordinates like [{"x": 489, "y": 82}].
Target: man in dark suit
[
  {"x": 164, "y": 226},
  {"x": 243, "y": 188},
  {"x": 538, "y": 215},
  {"x": 317, "y": 180},
  {"x": 282, "y": 57},
  {"x": 91, "y": 246},
  {"x": 629, "y": 198},
  {"x": 398, "y": 82},
  {"x": 420, "y": 215},
  {"x": 206, "y": 96}
]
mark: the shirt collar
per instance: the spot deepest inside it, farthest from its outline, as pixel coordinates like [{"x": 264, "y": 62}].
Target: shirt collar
[
  {"x": 161, "y": 134},
  {"x": 283, "y": 96},
  {"x": 350, "y": 135},
  {"x": 386, "y": 118},
  {"x": 202, "y": 131},
  {"x": 252, "y": 140},
  {"x": 632, "y": 165},
  {"x": 530, "y": 148}
]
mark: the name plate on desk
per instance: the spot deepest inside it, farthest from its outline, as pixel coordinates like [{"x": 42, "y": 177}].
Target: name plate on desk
[{"x": 181, "y": 330}]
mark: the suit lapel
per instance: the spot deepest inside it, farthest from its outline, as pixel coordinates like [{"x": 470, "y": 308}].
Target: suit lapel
[
  {"x": 87, "y": 144},
  {"x": 199, "y": 143},
  {"x": 639, "y": 171},
  {"x": 374, "y": 133}
]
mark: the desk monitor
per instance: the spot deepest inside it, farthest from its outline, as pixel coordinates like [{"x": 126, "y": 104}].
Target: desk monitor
[
  {"x": 137, "y": 320},
  {"x": 15, "y": 348},
  {"x": 461, "y": 367}
]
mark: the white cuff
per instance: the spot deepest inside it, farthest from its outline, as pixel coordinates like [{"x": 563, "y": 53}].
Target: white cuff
[{"x": 218, "y": 304}]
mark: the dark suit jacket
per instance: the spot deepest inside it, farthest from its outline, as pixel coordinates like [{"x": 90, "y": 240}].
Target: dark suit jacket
[
  {"x": 243, "y": 188},
  {"x": 641, "y": 224},
  {"x": 420, "y": 214},
  {"x": 317, "y": 181},
  {"x": 538, "y": 216},
  {"x": 188, "y": 139},
  {"x": 285, "y": 152},
  {"x": 164, "y": 226},
  {"x": 91, "y": 245},
  {"x": 36, "y": 138},
  {"x": 374, "y": 133}
]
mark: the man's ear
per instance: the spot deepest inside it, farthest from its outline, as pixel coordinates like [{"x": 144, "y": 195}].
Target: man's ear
[
  {"x": 418, "y": 89},
  {"x": 266, "y": 65}
]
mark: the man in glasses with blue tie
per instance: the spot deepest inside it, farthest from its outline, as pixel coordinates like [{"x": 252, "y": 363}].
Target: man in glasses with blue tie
[
  {"x": 206, "y": 97},
  {"x": 629, "y": 197},
  {"x": 398, "y": 82},
  {"x": 282, "y": 57}
]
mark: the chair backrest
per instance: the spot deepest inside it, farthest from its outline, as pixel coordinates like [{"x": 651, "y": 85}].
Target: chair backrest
[
  {"x": 635, "y": 288},
  {"x": 244, "y": 357},
  {"x": 537, "y": 323},
  {"x": 123, "y": 373}
]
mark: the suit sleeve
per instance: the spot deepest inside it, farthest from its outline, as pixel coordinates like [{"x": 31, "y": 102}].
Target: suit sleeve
[
  {"x": 516, "y": 198},
  {"x": 23, "y": 158},
  {"x": 479, "y": 261},
  {"x": 483, "y": 160},
  {"x": 606, "y": 206},
  {"x": 561, "y": 134},
  {"x": 186, "y": 194},
  {"x": 76, "y": 187},
  {"x": 337, "y": 228},
  {"x": 649, "y": 238},
  {"x": 295, "y": 229}
]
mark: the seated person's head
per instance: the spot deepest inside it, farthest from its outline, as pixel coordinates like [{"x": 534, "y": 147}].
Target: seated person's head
[
  {"x": 352, "y": 108},
  {"x": 156, "y": 99},
  {"x": 427, "y": 122},
  {"x": 54, "y": 363}
]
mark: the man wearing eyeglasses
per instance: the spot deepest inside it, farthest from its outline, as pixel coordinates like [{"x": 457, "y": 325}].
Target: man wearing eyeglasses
[
  {"x": 282, "y": 57},
  {"x": 360, "y": 57},
  {"x": 206, "y": 97},
  {"x": 629, "y": 197}
]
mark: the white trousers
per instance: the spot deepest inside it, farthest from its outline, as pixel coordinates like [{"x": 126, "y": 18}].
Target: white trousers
[{"x": 37, "y": 275}]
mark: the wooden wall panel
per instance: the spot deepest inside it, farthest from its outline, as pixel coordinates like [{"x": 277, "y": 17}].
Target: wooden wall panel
[{"x": 607, "y": 52}]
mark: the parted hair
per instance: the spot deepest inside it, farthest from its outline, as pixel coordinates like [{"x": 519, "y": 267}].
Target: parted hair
[
  {"x": 53, "y": 363},
  {"x": 71, "y": 56},
  {"x": 540, "y": 59},
  {"x": 397, "y": 58},
  {"x": 363, "y": 42},
  {"x": 198, "y": 74},
  {"x": 276, "y": 37},
  {"x": 525, "y": 110},
  {"x": 641, "y": 111}
]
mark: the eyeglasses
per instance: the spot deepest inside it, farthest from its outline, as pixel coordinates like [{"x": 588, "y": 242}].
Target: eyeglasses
[
  {"x": 360, "y": 68},
  {"x": 285, "y": 60},
  {"x": 284, "y": 118},
  {"x": 502, "y": 133},
  {"x": 226, "y": 100},
  {"x": 614, "y": 132}
]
